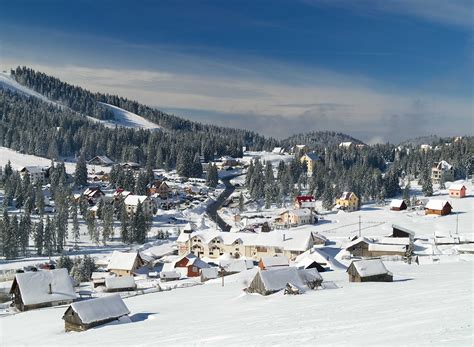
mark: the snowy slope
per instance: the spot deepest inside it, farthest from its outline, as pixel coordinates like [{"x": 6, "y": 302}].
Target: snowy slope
[
  {"x": 123, "y": 118},
  {"x": 127, "y": 119},
  {"x": 7, "y": 82},
  {"x": 425, "y": 305}
]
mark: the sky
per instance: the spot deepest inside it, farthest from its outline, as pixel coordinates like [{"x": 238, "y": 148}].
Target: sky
[{"x": 379, "y": 70}]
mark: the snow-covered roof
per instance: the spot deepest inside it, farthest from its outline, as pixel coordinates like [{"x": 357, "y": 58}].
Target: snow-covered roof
[
  {"x": 236, "y": 265},
  {"x": 301, "y": 212},
  {"x": 122, "y": 261},
  {"x": 276, "y": 279},
  {"x": 313, "y": 156},
  {"x": 209, "y": 273},
  {"x": 404, "y": 229},
  {"x": 395, "y": 241},
  {"x": 457, "y": 186},
  {"x": 345, "y": 144},
  {"x": 370, "y": 267},
  {"x": 377, "y": 247},
  {"x": 435, "y": 204},
  {"x": 100, "y": 275},
  {"x": 346, "y": 195},
  {"x": 119, "y": 282},
  {"x": 443, "y": 165},
  {"x": 34, "y": 286},
  {"x": 133, "y": 200},
  {"x": 193, "y": 260},
  {"x": 277, "y": 150},
  {"x": 357, "y": 241},
  {"x": 33, "y": 169},
  {"x": 275, "y": 261},
  {"x": 396, "y": 203},
  {"x": 104, "y": 159},
  {"x": 99, "y": 309},
  {"x": 291, "y": 240},
  {"x": 170, "y": 274}
]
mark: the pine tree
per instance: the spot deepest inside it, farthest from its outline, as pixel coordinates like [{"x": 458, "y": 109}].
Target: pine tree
[
  {"x": 48, "y": 237},
  {"x": 75, "y": 225},
  {"x": 24, "y": 233},
  {"x": 328, "y": 197},
  {"x": 107, "y": 227},
  {"x": 241, "y": 203},
  {"x": 80, "y": 174},
  {"x": 212, "y": 176},
  {"x": 39, "y": 236},
  {"x": 124, "y": 225},
  {"x": 65, "y": 262}
]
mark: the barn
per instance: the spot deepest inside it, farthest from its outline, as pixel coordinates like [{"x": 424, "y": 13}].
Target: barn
[
  {"x": 439, "y": 207},
  {"x": 371, "y": 270},
  {"x": 87, "y": 314},
  {"x": 45, "y": 288},
  {"x": 120, "y": 284},
  {"x": 403, "y": 232},
  {"x": 273, "y": 280},
  {"x": 398, "y": 205},
  {"x": 359, "y": 247}
]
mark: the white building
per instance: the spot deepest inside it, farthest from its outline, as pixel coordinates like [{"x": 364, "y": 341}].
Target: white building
[{"x": 131, "y": 203}]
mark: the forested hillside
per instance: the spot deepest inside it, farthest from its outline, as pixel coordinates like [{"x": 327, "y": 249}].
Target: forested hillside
[{"x": 318, "y": 139}]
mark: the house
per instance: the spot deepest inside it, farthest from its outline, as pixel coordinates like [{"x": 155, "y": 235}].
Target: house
[
  {"x": 305, "y": 201},
  {"x": 371, "y": 270},
  {"x": 213, "y": 244},
  {"x": 120, "y": 284},
  {"x": 87, "y": 314},
  {"x": 403, "y": 232},
  {"x": 169, "y": 276},
  {"x": 348, "y": 201},
  {"x": 37, "y": 174},
  {"x": 295, "y": 217},
  {"x": 441, "y": 170},
  {"x": 398, "y": 205},
  {"x": 359, "y": 247},
  {"x": 163, "y": 190},
  {"x": 232, "y": 266},
  {"x": 101, "y": 160},
  {"x": 457, "y": 190},
  {"x": 120, "y": 193},
  {"x": 98, "y": 278},
  {"x": 93, "y": 194},
  {"x": 271, "y": 281},
  {"x": 271, "y": 262},
  {"x": 124, "y": 264},
  {"x": 43, "y": 288},
  {"x": 131, "y": 204},
  {"x": 439, "y": 207},
  {"x": 297, "y": 149},
  {"x": 310, "y": 159},
  {"x": 425, "y": 147},
  {"x": 308, "y": 263},
  {"x": 130, "y": 166},
  {"x": 190, "y": 265}
]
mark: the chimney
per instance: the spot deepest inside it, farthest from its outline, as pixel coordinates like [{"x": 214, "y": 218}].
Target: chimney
[{"x": 50, "y": 289}]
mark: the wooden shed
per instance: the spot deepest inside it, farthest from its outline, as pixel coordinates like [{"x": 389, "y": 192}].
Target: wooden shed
[
  {"x": 271, "y": 262},
  {"x": 457, "y": 190},
  {"x": 273, "y": 280},
  {"x": 359, "y": 247},
  {"x": 87, "y": 314},
  {"x": 401, "y": 231},
  {"x": 370, "y": 270},
  {"x": 191, "y": 265},
  {"x": 44, "y": 288},
  {"x": 439, "y": 207},
  {"x": 124, "y": 264},
  {"x": 398, "y": 205}
]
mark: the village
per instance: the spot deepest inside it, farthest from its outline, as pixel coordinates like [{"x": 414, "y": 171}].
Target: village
[{"x": 299, "y": 248}]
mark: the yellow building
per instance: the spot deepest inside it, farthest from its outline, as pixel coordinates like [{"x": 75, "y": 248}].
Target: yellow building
[
  {"x": 310, "y": 160},
  {"x": 348, "y": 202}
]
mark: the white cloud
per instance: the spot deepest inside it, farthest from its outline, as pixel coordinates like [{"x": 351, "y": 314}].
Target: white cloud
[{"x": 449, "y": 12}]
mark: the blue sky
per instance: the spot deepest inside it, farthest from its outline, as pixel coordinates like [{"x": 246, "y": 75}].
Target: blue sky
[{"x": 379, "y": 70}]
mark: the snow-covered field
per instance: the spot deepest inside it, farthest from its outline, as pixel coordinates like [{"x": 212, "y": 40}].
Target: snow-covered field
[
  {"x": 18, "y": 160},
  {"x": 127, "y": 119},
  {"x": 7, "y": 82},
  {"x": 425, "y": 305}
]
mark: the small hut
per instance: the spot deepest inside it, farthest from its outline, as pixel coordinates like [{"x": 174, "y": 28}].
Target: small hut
[
  {"x": 398, "y": 205},
  {"x": 87, "y": 314},
  {"x": 44, "y": 288},
  {"x": 169, "y": 276},
  {"x": 371, "y": 270},
  {"x": 359, "y": 247},
  {"x": 209, "y": 273},
  {"x": 273, "y": 280},
  {"x": 399, "y": 231},
  {"x": 457, "y": 190},
  {"x": 439, "y": 207},
  {"x": 124, "y": 264},
  {"x": 120, "y": 284}
]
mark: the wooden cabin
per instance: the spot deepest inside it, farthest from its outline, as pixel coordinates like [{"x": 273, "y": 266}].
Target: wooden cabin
[
  {"x": 45, "y": 288},
  {"x": 371, "y": 270},
  {"x": 87, "y": 314},
  {"x": 124, "y": 264},
  {"x": 359, "y": 247},
  {"x": 399, "y": 231},
  {"x": 398, "y": 205},
  {"x": 273, "y": 280},
  {"x": 438, "y": 207},
  {"x": 457, "y": 190}
]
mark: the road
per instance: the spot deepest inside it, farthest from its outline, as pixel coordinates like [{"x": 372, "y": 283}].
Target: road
[{"x": 214, "y": 207}]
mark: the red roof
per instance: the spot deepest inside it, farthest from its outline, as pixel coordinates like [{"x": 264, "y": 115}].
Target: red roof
[{"x": 305, "y": 198}]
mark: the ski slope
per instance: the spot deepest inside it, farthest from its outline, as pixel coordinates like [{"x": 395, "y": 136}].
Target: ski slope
[
  {"x": 126, "y": 119},
  {"x": 425, "y": 305},
  {"x": 123, "y": 118}
]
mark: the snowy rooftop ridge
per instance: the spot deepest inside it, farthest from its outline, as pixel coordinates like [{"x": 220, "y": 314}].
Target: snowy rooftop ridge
[
  {"x": 435, "y": 204},
  {"x": 133, "y": 200},
  {"x": 456, "y": 186},
  {"x": 99, "y": 309},
  {"x": 370, "y": 267},
  {"x": 276, "y": 279},
  {"x": 119, "y": 282},
  {"x": 122, "y": 261}
]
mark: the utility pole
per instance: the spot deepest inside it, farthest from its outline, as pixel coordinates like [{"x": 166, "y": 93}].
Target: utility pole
[
  {"x": 359, "y": 227},
  {"x": 457, "y": 222}
]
